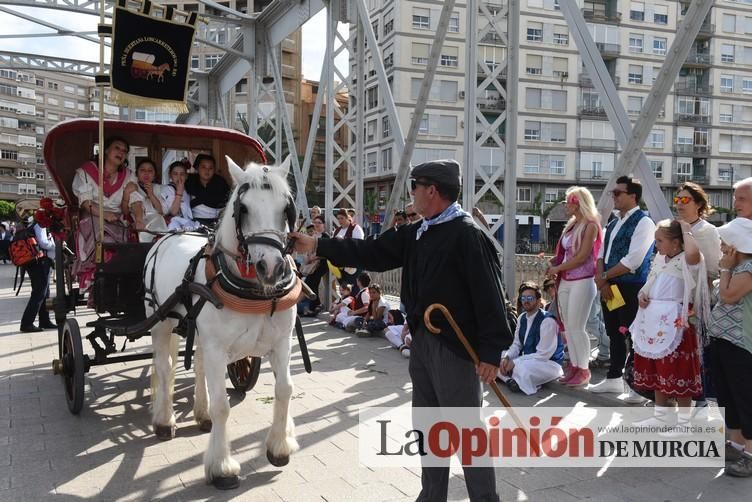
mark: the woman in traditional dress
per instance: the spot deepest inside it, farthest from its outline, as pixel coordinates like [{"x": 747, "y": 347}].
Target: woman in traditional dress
[
  {"x": 665, "y": 332},
  {"x": 144, "y": 201},
  {"x": 86, "y": 189}
]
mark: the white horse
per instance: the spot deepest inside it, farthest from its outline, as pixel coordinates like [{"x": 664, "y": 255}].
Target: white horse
[{"x": 249, "y": 249}]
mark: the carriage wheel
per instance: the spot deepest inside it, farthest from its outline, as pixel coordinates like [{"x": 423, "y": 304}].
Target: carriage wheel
[
  {"x": 244, "y": 373},
  {"x": 73, "y": 362}
]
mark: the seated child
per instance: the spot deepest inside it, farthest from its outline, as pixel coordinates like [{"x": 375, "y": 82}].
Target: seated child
[
  {"x": 176, "y": 202},
  {"x": 341, "y": 306},
  {"x": 144, "y": 201},
  {"x": 359, "y": 306},
  {"x": 398, "y": 333},
  {"x": 375, "y": 319}
]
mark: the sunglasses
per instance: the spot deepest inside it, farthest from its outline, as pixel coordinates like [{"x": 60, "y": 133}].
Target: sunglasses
[
  {"x": 617, "y": 192},
  {"x": 414, "y": 183},
  {"x": 528, "y": 298},
  {"x": 685, "y": 199}
]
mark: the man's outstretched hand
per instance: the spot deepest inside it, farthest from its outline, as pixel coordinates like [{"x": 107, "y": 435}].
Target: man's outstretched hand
[{"x": 302, "y": 243}]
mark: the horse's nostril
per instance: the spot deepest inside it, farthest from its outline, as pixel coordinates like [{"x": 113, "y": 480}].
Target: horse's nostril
[
  {"x": 280, "y": 268},
  {"x": 261, "y": 268}
]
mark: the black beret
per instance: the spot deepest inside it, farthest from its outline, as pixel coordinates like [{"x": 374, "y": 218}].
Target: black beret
[{"x": 444, "y": 172}]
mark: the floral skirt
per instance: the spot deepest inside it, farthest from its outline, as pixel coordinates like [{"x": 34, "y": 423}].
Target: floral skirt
[{"x": 677, "y": 374}]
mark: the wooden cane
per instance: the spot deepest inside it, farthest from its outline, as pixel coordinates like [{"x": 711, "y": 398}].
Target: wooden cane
[{"x": 433, "y": 329}]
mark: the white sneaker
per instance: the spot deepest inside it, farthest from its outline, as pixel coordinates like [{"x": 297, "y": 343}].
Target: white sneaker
[
  {"x": 614, "y": 385},
  {"x": 405, "y": 353},
  {"x": 633, "y": 398}
]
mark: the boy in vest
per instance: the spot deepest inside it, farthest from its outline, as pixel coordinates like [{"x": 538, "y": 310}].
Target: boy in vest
[
  {"x": 623, "y": 260},
  {"x": 537, "y": 352}
]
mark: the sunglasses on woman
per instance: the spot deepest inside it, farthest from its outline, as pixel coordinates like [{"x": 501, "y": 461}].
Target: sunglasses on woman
[{"x": 685, "y": 199}]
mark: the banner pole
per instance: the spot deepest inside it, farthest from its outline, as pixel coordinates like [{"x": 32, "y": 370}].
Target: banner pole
[{"x": 100, "y": 240}]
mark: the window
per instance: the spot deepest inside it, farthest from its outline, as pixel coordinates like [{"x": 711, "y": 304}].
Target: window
[
  {"x": 532, "y": 98},
  {"x": 660, "y": 14},
  {"x": 423, "y": 127},
  {"x": 659, "y": 46},
  {"x": 421, "y": 18},
  {"x": 532, "y": 130},
  {"x": 53, "y": 101},
  {"x": 747, "y": 85},
  {"x": 635, "y": 74},
  {"x": 371, "y": 130},
  {"x": 656, "y": 138},
  {"x": 727, "y": 53},
  {"x": 553, "y": 195},
  {"x": 561, "y": 36},
  {"x": 724, "y": 143},
  {"x": 69, "y": 104},
  {"x": 726, "y": 113},
  {"x": 556, "y": 165},
  {"x": 386, "y": 160},
  {"x": 559, "y": 101},
  {"x": 454, "y": 23},
  {"x": 524, "y": 194},
  {"x": 634, "y": 105},
  {"x": 561, "y": 66},
  {"x": 372, "y": 98},
  {"x": 683, "y": 170},
  {"x": 535, "y": 32},
  {"x": 725, "y": 172},
  {"x": 420, "y": 54},
  {"x": 637, "y": 11},
  {"x": 52, "y": 85},
  {"x": 558, "y": 132},
  {"x": 372, "y": 162},
  {"x": 386, "y": 130},
  {"x": 532, "y": 163},
  {"x": 194, "y": 62},
  {"x": 729, "y": 23},
  {"x": 636, "y": 42},
  {"x": 449, "y": 57},
  {"x": 657, "y": 167},
  {"x": 211, "y": 60},
  {"x": 388, "y": 22},
  {"x": 727, "y": 83},
  {"x": 8, "y": 155},
  {"x": 684, "y": 136},
  {"x": 596, "y": 169},
  {"x": 534, "y": 65}
]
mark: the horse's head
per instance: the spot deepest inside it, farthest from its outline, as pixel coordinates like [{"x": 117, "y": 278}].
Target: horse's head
[{"x": 255, "y": 223}]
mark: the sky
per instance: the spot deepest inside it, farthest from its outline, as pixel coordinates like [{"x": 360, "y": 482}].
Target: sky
[{"x": 314, "y": 36}]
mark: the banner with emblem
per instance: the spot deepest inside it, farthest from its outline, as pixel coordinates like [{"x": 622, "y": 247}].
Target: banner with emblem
[{"x": 151, "y": 58}]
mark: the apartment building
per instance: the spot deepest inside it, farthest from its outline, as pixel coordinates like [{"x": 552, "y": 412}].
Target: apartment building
[
  {"x": 30, "y": 104},
  {"x": 703, "y": 132}
]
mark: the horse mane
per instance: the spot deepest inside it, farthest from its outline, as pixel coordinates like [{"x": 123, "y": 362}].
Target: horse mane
[{"x": 259, "y": 178}]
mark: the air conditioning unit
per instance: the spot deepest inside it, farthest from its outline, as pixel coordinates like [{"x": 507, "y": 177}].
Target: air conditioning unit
[{"x": 462, "y": 94}]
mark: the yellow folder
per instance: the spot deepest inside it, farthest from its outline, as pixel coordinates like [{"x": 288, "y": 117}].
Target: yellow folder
[{"x": 617, "y": 301}]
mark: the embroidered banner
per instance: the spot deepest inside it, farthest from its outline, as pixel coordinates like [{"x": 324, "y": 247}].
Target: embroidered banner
[{"x": 150, "y": 58}]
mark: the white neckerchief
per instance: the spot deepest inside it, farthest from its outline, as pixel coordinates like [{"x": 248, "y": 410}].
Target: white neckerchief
[{"x": 450, "y": 213}]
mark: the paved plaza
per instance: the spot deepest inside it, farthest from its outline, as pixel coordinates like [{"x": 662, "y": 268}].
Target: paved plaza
[{"x": 109, "y": 452}]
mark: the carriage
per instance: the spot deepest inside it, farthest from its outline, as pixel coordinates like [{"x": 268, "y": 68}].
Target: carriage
[{"x": 118, "y": 289}]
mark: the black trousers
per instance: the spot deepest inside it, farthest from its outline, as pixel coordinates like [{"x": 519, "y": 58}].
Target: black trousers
[
  {"x": 313, "y": 281},
  {"x": 39, "y": 275},
  {"x": 731, "y": 368},
  {"x": 442, "y": 378},
  {"x": 617, "y": 319}
]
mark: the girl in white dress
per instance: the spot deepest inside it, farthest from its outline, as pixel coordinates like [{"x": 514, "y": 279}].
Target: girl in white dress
[
  {"x": 176, "y": 203},
  {"x": 144, "y": 201}
]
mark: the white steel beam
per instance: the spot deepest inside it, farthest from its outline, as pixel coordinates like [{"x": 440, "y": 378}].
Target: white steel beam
[
  {"x": 420, "y": 106},
  {"x": 20, "y": 61}
]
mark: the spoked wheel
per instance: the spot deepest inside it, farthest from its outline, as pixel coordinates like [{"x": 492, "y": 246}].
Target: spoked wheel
[
  {"x": 73, "y": 366},
  {"x": 244, "y": 373}
]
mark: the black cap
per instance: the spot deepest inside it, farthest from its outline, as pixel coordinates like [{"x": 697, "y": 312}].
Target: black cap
[{"x": 444, "y": 172}]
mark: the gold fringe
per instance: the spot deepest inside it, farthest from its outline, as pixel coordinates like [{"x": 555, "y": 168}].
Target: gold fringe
[{"x": 125, "y": 99}]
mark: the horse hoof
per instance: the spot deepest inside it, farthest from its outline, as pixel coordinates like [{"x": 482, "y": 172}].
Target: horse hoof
[
  {"x": 226, "y": 482},
  {"x": 164, "y": 432},
  {"x": 277, "y": 461},
  {"x": 205, "y": 426}
]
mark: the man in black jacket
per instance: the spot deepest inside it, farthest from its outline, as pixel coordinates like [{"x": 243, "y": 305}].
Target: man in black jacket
[{"x": 446, "y": 259}]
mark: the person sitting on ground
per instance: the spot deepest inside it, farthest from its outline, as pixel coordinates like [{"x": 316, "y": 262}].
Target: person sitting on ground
[
  {"x": 537, "y": 353},
  {"x": 208, "y": 191},
  {"x": 144, "y": 200},
  {"x": 85, "y": 187},
  {"x": 342, "y": 305},
  {"x": 375, "y": 319},
  {"x": 359, "y": 307},
  {"x": 176, "y": 201},
  {"x": 398, "y": 332}
]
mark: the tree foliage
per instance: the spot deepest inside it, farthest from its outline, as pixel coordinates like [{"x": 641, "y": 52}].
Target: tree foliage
[{"x": 7, "y": 210}]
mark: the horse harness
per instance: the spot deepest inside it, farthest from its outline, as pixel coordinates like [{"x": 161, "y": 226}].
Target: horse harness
[{"x": 223, "y": 288}]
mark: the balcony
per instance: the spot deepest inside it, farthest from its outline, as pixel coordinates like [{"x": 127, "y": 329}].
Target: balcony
[
  {"x": 693, "y": 88},
  {"x": 698, "y": 59},
  {"x": 691, "y": 118},
  {"x": 601, "y": 16},
  {"x": 586, "y": 81},
  {"x": 706, "y": 30},
  {"x": 607, "y": 50},
  {"x": 596, "y": 144},
  {"x": 591, "y": 111},
  {"x": 499, "y": 104},
  {"x": 694, "y": 150},
  {"x": 596, "y": 176},
  {"x": 700, "y": 179}
]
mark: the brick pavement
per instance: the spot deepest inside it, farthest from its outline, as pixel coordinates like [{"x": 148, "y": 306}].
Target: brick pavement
[{"x": 109, "y": 452}]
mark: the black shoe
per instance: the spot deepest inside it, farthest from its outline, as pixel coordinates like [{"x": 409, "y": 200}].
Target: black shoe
[
  {"x": 31, "y": 329},
  {"x": 513, "y": 386},
  {"x": 48, "y": 325}
]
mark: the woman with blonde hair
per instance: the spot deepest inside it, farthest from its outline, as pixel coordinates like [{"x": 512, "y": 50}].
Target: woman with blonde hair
[{"x": 574, "y": 267}]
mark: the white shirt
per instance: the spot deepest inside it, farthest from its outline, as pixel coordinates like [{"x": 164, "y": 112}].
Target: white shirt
[
  {"x": 547, "y": 344},
  {"x": 168, "y": 195},
  {"x": 85, "y": 188},
  {"x": 44, "y": 242},
  {"x": 706, "y": 236},
  {"x": 383, "y": 303},
  {"x": 140, "y": 196},
  {"x": 642, "y": 238},
  {"x": 205, "y": 212},
  {"x": 357, "y": 233}
]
